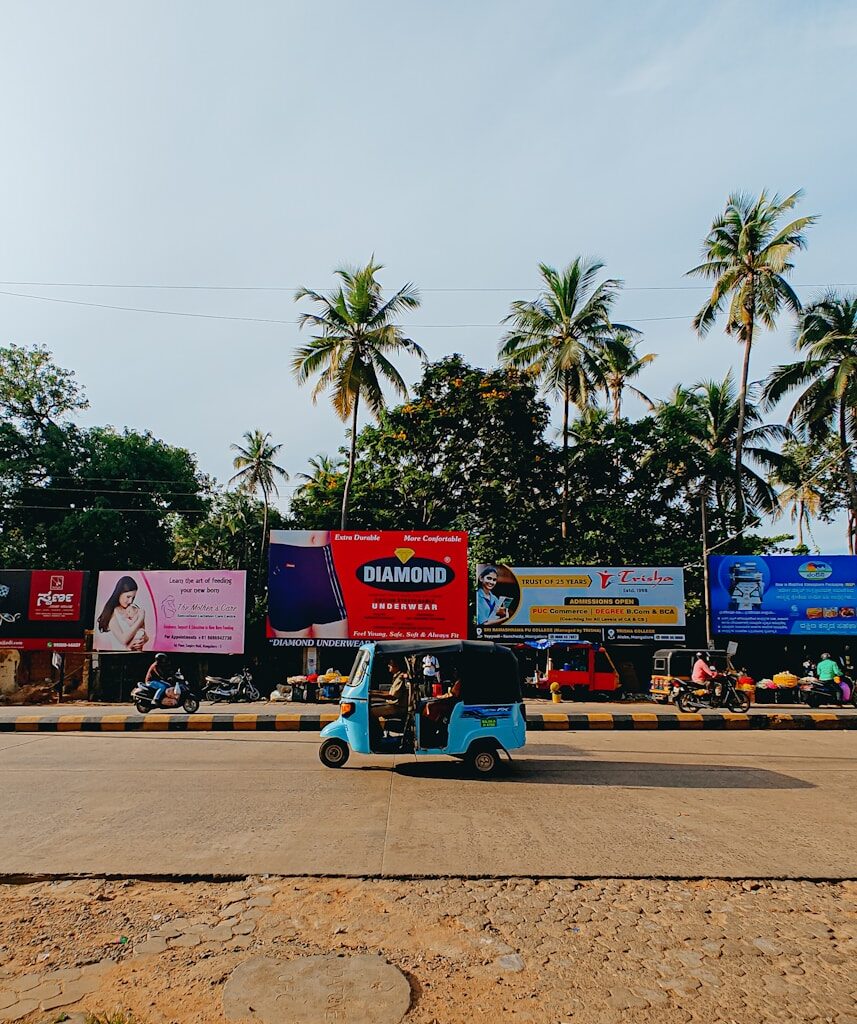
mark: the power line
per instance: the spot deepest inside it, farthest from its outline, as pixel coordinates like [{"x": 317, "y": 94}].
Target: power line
[
  {"x": 272, "y": 320},
  {"x": 294, "y": 288}
]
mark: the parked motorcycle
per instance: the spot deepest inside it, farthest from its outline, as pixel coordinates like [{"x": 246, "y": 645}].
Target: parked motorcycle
[
  {"x": 238, "y": 688},
  {"x": 720, "y": 693},
  {"x": 179, "y": 694},
  {"x": 815, "y": 692}
]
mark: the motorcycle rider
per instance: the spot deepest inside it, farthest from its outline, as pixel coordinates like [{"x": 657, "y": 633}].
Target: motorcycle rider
[
  {"x": 828, "y": 671},
  {"x": 705, "y": 674},
  {"x": 156, "y": 677}
]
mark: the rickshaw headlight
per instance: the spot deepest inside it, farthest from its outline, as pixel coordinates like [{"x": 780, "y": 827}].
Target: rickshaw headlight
[{"x": 346, "y": 709}]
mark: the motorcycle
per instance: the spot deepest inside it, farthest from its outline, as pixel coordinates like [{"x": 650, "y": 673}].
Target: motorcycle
[
  {"x": 815, "y": 692},
  {"x": 719, "y": 693},
  {"x": 179, "y": 694},
  {"x": 239, "y": 688}
]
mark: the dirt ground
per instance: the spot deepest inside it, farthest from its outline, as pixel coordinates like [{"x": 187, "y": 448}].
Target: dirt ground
[{"x": 520, "y": 950}]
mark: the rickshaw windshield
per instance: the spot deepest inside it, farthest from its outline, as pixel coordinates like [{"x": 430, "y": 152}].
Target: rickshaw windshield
[{"x": 357, "y": 675}]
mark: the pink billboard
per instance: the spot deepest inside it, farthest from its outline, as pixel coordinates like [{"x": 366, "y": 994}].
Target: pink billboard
[{"x": 170, "y": 611}]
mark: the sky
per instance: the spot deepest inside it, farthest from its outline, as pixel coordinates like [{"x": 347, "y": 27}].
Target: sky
[{"x": 253, "y": 147}]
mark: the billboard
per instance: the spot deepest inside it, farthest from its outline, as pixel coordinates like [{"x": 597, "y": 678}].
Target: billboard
[
  {"x": 337, "y": 588},
  {"x": 783, "y": 594},
  {"x": 592, "y": 602},
  {"x": 42, "y": 609},
  {"x": 170, "y": 611}
]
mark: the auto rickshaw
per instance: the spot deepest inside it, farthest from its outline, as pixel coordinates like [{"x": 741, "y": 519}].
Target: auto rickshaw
[
  {"x": 672, "y": 667},
  {"x": 480, "y": 714}
]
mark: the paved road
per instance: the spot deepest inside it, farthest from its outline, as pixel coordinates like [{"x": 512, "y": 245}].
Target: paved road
[
  {"x": 758, "y": 804},
  {"x": 331, "y": 707}
]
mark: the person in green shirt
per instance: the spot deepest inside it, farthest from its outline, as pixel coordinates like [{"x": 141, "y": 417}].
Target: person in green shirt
[{"x": 827, "y": 670}]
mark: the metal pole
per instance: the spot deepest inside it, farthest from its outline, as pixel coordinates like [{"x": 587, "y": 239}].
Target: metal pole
[{"x": 704, "y": 509}]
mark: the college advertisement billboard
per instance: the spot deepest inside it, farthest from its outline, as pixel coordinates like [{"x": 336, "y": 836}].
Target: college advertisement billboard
[
  {"x": 592, "y": 602},
  {"x": 778, "y": 595},
  {"x": 42, "y": 609},
  {"x": 338, "y": 588},
  {"x": 170, "y": 611}
]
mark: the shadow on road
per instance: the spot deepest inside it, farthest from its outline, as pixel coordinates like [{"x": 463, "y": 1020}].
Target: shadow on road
[{"x": 630, "y": 774}]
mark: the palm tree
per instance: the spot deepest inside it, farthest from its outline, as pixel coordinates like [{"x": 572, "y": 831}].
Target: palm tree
[
  {"x": 747, "y": 254},
  {"x": 357, "y": 333},
  {"x": 257, "y": 471},
  {"x": 619, "y": 363},
  {"x": 326, "y": 471},
  {"x": 827, "y": 335},
  {"x": 801, "y": 496},
  {"x": 556, "y": 335}
]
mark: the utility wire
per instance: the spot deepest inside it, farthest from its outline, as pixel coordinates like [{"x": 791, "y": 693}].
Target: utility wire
[
  {"x": 294, "y": 288},
  {"x": 272, "y": 320}
]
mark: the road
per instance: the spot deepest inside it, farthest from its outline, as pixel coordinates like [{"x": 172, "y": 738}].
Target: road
[{"x": 760, "y": 804}]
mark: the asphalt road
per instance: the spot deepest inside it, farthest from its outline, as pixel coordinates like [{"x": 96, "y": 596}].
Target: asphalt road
[{"x": 750, "y": 804}]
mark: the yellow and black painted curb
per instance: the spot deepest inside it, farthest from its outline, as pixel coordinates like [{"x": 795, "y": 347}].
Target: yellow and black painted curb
[{"x": 546, "y": 722}]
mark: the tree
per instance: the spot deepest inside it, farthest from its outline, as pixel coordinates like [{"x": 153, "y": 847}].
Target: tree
[
  {"x": 827, "y": 336},
  {"x": 357, "y": 334},
  {"x": 747, "y": 254},
  {"x": 618, "y": 364},
  {"x": 257, "y": 471},
  {"x": 325, "y": 475},
  {"x": 555, "y": 337},
  {"x": 800, "y": 477},
  {"x": 35, "y": 393},
  {"x": 466, "y": 452}
]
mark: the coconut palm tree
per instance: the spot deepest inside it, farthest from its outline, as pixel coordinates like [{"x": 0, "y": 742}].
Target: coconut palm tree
[
  {"x": 827, "y": 337},
  {"x": 350, "y": 353},
  {"x": 257, "y": 471},
  {"x": 747, "y": 254},
  {"x": 325, "y": 473},
  {"x": 556, "y": 335},
  {"x": 800, "y": 497},
  {"x": 618, "y": 364}
]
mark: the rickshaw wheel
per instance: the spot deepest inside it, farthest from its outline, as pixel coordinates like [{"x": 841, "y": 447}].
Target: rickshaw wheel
[
  {"x": 333, "y": 753},
  {"x": 483, "y": 761}
]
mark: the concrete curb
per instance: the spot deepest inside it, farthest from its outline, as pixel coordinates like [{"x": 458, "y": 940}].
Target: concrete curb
[{"x": 314, "y": 723}]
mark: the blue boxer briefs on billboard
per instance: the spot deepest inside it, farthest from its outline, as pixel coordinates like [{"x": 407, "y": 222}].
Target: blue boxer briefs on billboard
[{"x": 777, "y": 595}]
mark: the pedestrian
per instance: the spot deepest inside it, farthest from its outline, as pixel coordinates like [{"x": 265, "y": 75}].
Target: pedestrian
[{"x": 431, "y": 674}]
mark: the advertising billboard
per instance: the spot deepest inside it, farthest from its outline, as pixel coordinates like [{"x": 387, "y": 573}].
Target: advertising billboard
[
  {"x": 42, "y": 609},
  {"x": 338, "y": 588},
  {"x": 591, "y": 602},
  {"x": 170, "y": 611},
  {"x": 778, "y": 595}
]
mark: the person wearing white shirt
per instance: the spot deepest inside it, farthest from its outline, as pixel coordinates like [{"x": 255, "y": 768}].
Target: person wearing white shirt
[{"x": 431, "y": 673}]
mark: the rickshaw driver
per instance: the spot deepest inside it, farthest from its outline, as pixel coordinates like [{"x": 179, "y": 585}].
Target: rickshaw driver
[{"x": 396, "y": 700}]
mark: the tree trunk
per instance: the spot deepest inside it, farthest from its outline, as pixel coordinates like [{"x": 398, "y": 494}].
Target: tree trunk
[
  {"x": 747, "y": 335},
  {"x": 850, "y": 477},
  {"x": 617, "y": 404},
  {"x": 801, "y": 512},
  {"x": 352, "y": 455},
  {"x": 264, "y": 537},
  {"x": 565, "y": 404},
  {"x": 703, "y": 507}
]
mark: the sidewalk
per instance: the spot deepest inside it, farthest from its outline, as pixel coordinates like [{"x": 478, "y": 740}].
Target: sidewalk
[{"x": 291, "y": 717}]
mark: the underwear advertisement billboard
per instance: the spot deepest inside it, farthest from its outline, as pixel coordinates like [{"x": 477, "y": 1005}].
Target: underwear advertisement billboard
[
  {"x": 42, "y": 609},
  {"x": 780, "y": 595},
  {"x": 337, "y": 588},
  {"x": 590, "y": 602},
  {"x": 170, "y": 611}
]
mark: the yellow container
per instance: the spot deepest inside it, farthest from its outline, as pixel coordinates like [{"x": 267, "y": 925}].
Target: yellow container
[{"x": 785, "y": 680}]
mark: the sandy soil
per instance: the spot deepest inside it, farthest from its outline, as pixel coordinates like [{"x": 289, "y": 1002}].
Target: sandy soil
[{"x": 519, "y": 950}]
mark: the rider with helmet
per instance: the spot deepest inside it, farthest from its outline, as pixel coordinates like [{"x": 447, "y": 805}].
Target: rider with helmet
[{"x": 156, "y": 678}]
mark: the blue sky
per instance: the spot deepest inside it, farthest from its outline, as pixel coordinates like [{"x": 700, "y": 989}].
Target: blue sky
[{"x": 262, "y": 144}]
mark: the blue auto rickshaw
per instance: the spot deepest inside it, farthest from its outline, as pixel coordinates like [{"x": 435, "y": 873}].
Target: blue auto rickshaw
[{"x": 474, "y": 713}]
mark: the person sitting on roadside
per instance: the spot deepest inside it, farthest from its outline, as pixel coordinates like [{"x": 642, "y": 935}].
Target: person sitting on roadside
[
  {"x": 156, "y": 677},
  {"x": 395, "y": 702}
]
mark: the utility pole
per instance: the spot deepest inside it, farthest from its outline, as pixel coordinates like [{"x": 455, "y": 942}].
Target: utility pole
[{"x": 703, "y": 503}]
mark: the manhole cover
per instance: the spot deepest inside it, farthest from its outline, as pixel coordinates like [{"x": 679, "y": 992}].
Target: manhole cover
[{"x": 317, "y": 990}]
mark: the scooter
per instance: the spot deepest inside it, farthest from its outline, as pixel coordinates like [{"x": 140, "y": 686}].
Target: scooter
[
  {"x": 815, "y": 692},
  {"x": 239, "y": 688},
  {"x": 179, "y": 694}
]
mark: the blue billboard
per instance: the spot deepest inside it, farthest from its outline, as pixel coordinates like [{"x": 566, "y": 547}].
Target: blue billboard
[{"x": 778, "y": 595}]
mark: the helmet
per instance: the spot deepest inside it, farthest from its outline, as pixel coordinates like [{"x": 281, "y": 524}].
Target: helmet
[
  {"x": 699, "y": 654},
  {"x": 825, "y": 656},
  {"x": 160, "y": 657}
]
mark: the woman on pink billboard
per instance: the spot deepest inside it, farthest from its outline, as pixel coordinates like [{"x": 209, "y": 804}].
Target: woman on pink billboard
[{"x": 121, "y": 626}]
